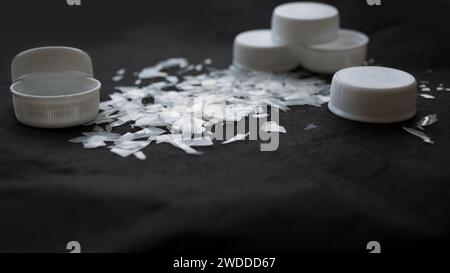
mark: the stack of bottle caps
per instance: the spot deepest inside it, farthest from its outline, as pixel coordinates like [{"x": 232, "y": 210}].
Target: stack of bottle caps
[
  {"x": 302, "y": 33},
  {"x": 309, "y": 34}
]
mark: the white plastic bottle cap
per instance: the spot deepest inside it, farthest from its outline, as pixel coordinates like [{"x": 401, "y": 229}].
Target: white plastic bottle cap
[
  {"x": 348, "y": 50},
  {"x": 53, "y": 87},
  {"x": 256, "y": 50},
  {"x": 373, "y": 94},
  {"x": 305, "y": 23}
]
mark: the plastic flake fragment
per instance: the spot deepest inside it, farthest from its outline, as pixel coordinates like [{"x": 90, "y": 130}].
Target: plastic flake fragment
[
  {"x": 262, "y": 115},
  {"x": 419, "y": 134},
  {"x": 272, "y": 126},
  {"x": 310, "y": 126},
  {"x": 119, "y": 75},
  {"x": 427, "y": 121},
  {"x": 427, "y": 96},
  {"x": 237, "y": 137},
  {"x": 140, "y": 155}
]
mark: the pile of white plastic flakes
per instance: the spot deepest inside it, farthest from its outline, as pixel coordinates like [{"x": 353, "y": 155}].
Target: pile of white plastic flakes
[{"x": 184, "y": 102}]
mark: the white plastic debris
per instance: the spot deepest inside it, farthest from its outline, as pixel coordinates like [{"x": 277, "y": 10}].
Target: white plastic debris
[
  {"x": 236, "y": 138},
  {"x": 199, "y": 141},
  {"x": 177, "y": 141},
  {"x": 272, "y": 126},
  {"x": 119, "y": 75},
  {"x": 427, "y": 121},
  {"x": 419, "y": 134},
  {"x": 262, "y": 115},
  {"x": 310, "y": 126},
  {"x": 182, "y": 109},
  {"x": 427, "y": 96},
  {"x": 156, "y": 71},
  {"x": 140, "y": 155},
  {"x": 117, "y": 78},
  {"x": 120, "y": 71}
]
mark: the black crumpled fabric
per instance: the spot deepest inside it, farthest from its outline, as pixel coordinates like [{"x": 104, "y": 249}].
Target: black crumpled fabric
[{"x": 333, "y": 188}]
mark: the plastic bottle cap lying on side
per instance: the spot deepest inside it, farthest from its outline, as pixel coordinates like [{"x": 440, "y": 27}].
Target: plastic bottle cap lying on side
[
  {"x": 256, "y": 50},
  {"x": 53, "y": 87},
  {"x": 305, "y": 23},
  {"x": 373, "y": 94},
  {"x": 348, "y": 50}
]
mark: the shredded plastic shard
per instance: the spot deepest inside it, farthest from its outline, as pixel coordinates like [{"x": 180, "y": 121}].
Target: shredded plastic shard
[
  {"x": 427, "y": 121},
  {"x": 236, "y": 138},
  {"x": 119, "y": 75},
  {"x": 310, "y": 126},
  {"x": 182, "y": 103},
  {"x": 140, "y": 155},
  {"x": 427, "y": 96},
  {"x": 272, "y": 126},
  {"x": 419, "y": 134}
]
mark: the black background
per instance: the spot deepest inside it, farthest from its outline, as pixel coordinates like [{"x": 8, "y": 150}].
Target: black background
[{"x": 333, "y": 188}]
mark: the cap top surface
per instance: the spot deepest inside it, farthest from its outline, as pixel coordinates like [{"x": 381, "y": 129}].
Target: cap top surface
[
  {"x": 258, "y": 38},
  {"x": 54, "y": 85},
  {"x": 374, "y": 77},
  {"x": 306, "y": 11}
]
